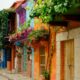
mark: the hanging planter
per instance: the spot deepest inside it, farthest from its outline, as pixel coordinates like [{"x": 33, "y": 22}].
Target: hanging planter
[
  {"x": 20, "y": 35},
  {"x": 21, "y": 32},
  {"x": 37, "y": 35}
]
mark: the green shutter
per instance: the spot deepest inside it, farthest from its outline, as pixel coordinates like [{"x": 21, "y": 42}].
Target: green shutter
[{"x": 25, "y": 58}]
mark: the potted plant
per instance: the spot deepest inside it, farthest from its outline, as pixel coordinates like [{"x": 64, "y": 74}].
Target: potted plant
[
  {"x": 37, "y": 35},
  {"x": 46, "y": 75}
]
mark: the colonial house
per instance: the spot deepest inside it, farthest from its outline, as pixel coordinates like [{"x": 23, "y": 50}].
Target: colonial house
[
  {"x": 24, "y": 23},
  {"x": 20, "y": 20},
  {"x": 59, "y": 53},
  {"x": 67, "y": 48},
  {"x": 9, "y": 50},
  {"x": 54, "y": 46},
  {"x": 8, "y": 46}
]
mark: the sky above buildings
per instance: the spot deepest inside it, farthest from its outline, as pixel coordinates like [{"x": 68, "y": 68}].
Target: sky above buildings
[{"x": 4, "y": 4}]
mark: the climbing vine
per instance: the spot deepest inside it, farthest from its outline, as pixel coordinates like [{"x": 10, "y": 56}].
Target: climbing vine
[
  {"x": 50, "y": 10},
  {"x": 46, "y": 10},
  {"x": 37, "y": 34},
  {"x": 3, "y": 26}
]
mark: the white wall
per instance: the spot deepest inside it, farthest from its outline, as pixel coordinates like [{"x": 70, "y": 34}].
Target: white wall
[{"x": 72, "y": 34}]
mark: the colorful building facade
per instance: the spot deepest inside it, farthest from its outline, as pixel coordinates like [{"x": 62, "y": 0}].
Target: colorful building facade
[
  {"x": 25, "y": 61},
  {"x": 58, "y": 53}
]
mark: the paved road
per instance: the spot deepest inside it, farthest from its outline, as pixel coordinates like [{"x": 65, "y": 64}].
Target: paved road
[
  {"x": 12, "y": 76},
  {"x": 3, "y": 77}
]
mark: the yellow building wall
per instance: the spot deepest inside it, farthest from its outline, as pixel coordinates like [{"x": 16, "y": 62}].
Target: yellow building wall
[
  {"x": 37, "y": 58},
  {"x": 51, "y": 65},
  {"x": 36, "y": 63},
  {"x": 52, "y": 52},
  {"x": 48, "y": 46}
]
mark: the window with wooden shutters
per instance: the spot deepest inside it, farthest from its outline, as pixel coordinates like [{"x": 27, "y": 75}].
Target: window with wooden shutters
[
  {"x": 12, "y": 22},
  {"x": 42, "y": 59}
]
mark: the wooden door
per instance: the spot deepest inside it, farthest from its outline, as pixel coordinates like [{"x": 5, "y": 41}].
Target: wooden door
[
  {"x": 69, "y": 60},
  {"x": 42, "y": 59}
]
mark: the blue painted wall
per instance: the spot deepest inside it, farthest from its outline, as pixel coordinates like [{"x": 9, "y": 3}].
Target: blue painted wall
[
  {"x": 29, "y": 4},
  {"x": 3, "y": 63}
]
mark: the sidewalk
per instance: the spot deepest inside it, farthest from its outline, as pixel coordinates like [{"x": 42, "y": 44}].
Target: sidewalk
[{"x": 13, "y": 76}]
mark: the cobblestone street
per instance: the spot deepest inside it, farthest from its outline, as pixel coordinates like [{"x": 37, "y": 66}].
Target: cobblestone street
[{"x": 4, "y": 75}]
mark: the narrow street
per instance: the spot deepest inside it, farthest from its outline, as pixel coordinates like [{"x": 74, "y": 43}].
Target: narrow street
[
  {"x": 39, "y": 39},
  {"x": 4, "y": 75}
]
